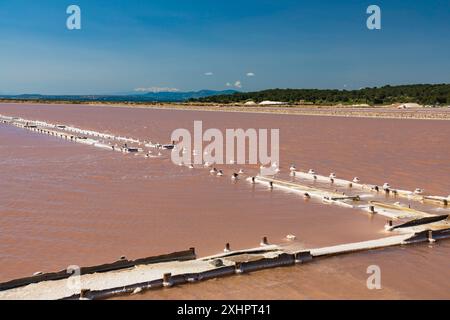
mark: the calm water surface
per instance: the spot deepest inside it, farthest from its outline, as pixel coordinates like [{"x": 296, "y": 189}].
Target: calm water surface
[{"x": 63, "y": 204}]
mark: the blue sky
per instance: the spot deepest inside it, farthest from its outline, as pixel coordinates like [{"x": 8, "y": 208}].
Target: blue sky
[{"x": 129, "y": 44}]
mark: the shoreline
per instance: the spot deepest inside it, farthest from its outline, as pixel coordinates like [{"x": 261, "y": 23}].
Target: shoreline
[{"x": 376, "y": 112}]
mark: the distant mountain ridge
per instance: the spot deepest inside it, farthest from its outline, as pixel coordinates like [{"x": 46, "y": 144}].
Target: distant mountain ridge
[
  {"x": 183, "y": 96},
  {"x": 138, "y": 97}
]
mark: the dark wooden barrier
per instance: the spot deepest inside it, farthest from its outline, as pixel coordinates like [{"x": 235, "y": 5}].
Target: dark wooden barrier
[
  {"x": 118, "y": 265},
  {"x": 418, "y": 222},
  {"x": 155, "y": 284},
  {"x": 283, "y": 259}
]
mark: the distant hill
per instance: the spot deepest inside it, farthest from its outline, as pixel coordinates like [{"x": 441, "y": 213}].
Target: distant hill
[
  {"x": 425, "y": 94},
  {"x": 183, "y": 96},
  {"x": 146, "y": 97}
]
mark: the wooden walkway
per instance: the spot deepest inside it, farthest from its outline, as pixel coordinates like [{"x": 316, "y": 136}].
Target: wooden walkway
[
  {"x": 160, "y": 275},
  {"x": 396, "y": 193}
]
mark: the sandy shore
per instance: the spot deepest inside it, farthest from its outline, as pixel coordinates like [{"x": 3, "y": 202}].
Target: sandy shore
[{"x": 382, "y": 112}]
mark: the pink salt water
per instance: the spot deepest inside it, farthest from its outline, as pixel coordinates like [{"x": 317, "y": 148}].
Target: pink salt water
[{"x": 63, "y": 204}]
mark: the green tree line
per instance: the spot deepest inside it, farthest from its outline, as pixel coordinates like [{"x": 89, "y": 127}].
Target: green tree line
[{"x": 425, "y": 94}]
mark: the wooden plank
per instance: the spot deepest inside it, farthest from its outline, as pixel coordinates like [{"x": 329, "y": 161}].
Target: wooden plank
[
  {"x": 412, "y": 212},
  {"x": 360, "y": 246}
]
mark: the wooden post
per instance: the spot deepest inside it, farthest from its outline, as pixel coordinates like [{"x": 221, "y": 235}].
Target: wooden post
[
  {"x": 84, "y": 293},
  {"x": 238, "y": 267},
  {"x": 264, "y": 242},
  {"x": 167, "y": 280},
  {"x": 430, "y": 236}
]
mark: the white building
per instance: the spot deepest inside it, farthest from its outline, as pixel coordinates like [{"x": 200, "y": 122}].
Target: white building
[
  {"x": 268, "y": 103},
  {"x": 409, "y": 106}
]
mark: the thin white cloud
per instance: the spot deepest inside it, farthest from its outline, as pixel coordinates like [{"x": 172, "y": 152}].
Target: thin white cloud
[
  {"x": 208, "y": 74},
  {"x": 250, "y": 74},
  {"x": 238, "y": 84},
  {"x": 156, "y": 89},
  {"x": 228, "y": 84}
]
